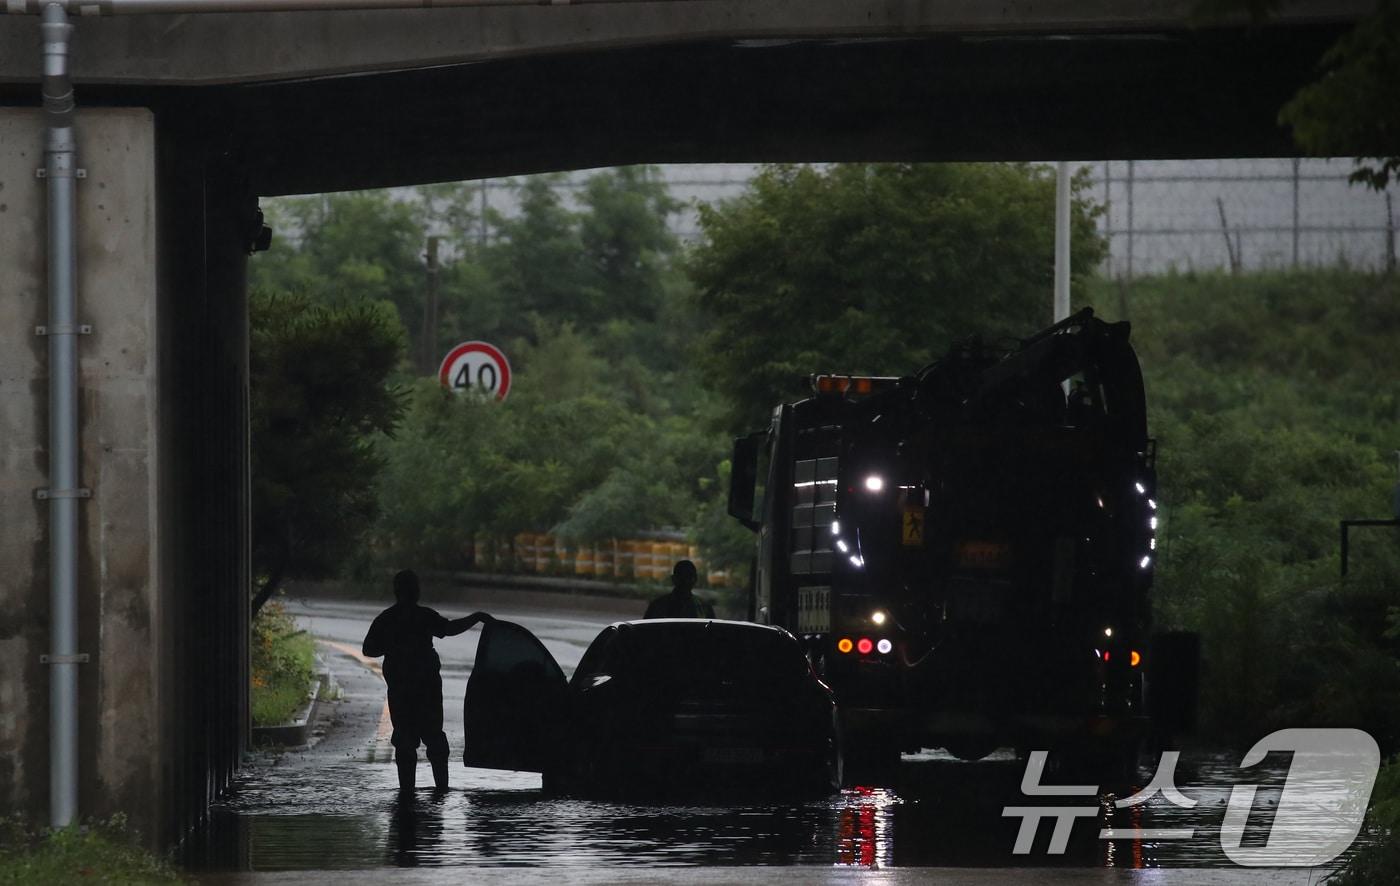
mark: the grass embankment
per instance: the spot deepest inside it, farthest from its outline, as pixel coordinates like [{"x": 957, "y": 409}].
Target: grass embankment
[
  {"x": 283, "y": 665},
  {"x": 105, "y": 852},
  {"x": 1272, "y": 399},
  {"x": 1378, "y": 864}
]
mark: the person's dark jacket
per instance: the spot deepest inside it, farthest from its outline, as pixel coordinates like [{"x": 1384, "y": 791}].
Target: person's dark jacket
[{"x": 678, "y": 605}]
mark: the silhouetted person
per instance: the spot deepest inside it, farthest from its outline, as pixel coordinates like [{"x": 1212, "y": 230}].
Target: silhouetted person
[
  {"x": 404, "y": 634},
  {"x": 680, "y": 603}
]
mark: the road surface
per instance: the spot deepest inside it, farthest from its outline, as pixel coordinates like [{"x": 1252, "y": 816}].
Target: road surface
[{"x": 330, "y": 814}]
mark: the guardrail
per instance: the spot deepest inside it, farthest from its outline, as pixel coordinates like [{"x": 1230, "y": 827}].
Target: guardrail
[{"x": 627, "y": 560}]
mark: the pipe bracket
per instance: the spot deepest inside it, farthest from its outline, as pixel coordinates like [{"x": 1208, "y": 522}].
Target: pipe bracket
[
  {"x": 81, "y": 329},
  {"x": 46, "y": 494},
  {"x": 42, "y": 172},
  {"x": 80, "y": 658}
]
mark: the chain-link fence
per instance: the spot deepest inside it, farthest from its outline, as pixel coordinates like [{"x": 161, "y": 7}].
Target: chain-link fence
[
  {"x": 1240, "y": 215},
  {"x": 1159, "y": 215}
]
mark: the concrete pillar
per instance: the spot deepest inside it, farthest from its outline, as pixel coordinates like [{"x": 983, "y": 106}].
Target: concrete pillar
[{"x": 162, "y": 569}]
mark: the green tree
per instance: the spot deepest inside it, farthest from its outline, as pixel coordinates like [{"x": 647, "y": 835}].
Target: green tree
[
  {"x": 1352, "y": 107},
  {"x": 659, "y": 482},
  {"x": 627, "y": 242},
  {"x": 536, "y": 259},
  {"x": 463, "y": 466},
  {"x": 318, "y": 400},
  {"x": 873, "y": 268},
  {"x": 339, "y": 249}
]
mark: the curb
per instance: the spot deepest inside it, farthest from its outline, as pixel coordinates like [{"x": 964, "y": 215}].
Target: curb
[{"x": 297, "y": 732}]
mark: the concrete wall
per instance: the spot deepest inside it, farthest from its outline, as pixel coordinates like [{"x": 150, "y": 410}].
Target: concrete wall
[
  {"x": 118, "y": 590},
  {"x": 163, "y": 540}
]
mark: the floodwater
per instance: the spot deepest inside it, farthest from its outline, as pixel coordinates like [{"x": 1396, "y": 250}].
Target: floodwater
[
  {"x": 336, "y": 806},
  {"x": 934, "y": 811}
]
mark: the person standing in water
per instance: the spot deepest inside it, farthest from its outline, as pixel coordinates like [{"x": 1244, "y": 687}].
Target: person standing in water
[{"x": 403, "y": 634}]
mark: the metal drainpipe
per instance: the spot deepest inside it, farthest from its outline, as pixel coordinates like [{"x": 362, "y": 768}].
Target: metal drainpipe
[{"x": 63, "y": 492}]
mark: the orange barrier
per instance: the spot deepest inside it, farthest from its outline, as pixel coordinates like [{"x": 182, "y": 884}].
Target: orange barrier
[
  {"x": 625, "y": 559},
  {"x": 563, "y": 557},
  {"x": 544, "y": 553},
  {"x": 524, "y": 553},
  {"x": 603, "y": 559},
  {"x": 583, "y": 560},
  {"x": 624, "y": 564}
]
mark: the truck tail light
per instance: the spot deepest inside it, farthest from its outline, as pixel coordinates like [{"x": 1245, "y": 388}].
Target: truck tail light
[
  {"x": 864, "y": 646},
  {"x": 844, "y": 645}
]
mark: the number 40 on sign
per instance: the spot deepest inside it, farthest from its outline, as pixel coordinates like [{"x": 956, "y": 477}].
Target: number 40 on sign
[{"x": 476, "y": 366}]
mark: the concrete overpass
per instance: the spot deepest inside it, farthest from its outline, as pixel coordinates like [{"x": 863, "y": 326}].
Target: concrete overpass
[
  {"x": 186, "y": 120},
  {"x": 313, "y": 101}
]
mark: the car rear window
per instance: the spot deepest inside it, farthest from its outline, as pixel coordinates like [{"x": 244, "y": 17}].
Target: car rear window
[{"x": 708, "y": 655}]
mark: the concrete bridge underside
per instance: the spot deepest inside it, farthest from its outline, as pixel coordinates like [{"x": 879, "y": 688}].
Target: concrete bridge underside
[
  {"x": 315, "y": 101},
  {"x": 186, "y": 120}
]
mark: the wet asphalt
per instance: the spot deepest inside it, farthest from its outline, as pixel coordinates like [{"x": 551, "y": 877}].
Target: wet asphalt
[{"x": 329, "y": 813}]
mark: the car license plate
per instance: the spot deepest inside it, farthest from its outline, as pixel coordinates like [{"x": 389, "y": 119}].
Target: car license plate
[{"x": 732, "y": 755}]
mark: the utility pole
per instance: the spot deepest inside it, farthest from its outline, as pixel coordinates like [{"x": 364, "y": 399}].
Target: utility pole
[
  {"x": 1061, "y": 241},
  {"x": 428, "y": 339}
]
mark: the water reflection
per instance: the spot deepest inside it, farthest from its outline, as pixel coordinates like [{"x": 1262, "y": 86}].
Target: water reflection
[
  {"x": 934, "y": 811},
  {"x": 864, "y": 831}
]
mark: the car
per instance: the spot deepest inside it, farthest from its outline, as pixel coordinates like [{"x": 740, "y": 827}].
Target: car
[{"x": 675, "y": 707}]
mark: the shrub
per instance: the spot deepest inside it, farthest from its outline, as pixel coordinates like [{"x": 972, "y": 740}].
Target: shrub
[{"x": 283, "y": 665}]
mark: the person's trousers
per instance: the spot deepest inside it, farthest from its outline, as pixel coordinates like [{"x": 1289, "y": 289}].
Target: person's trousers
[{"x": 415, "y": 708}]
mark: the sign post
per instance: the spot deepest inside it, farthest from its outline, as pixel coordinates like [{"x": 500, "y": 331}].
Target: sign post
[{"x": 476, "y": 366}]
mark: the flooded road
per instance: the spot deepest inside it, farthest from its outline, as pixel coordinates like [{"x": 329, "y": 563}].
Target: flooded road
[{"x": 335, "y": 806}]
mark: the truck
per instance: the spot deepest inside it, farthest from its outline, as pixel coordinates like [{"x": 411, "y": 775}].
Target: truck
[{"x": 967, "y": 553}]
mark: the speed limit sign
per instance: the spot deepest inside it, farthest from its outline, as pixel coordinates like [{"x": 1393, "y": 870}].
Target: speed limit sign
[{"x": 476, "y": 366}]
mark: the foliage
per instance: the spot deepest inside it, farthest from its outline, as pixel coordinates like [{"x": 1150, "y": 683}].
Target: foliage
[
  {"x": 318, "y": 395},
  {"x": 1385, "y": 797},
  {"x": 872, "y": 268},
  {"x": 102, "y": 852},
  {"x": 1271, "y": 427},
  {"x": 562, "y": 452},
  {"x": 352, "y": 248},
  {"x": 1377, "y": 863},
  {"x": 1352, "y": 107},
  {"x": 600, "y": 434},
  {"x": 283, "y": 664},
  {"x": 1267, "y": 391}
]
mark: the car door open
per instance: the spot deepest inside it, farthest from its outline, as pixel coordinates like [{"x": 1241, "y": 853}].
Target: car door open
[{"x": 516, "y": 701}]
